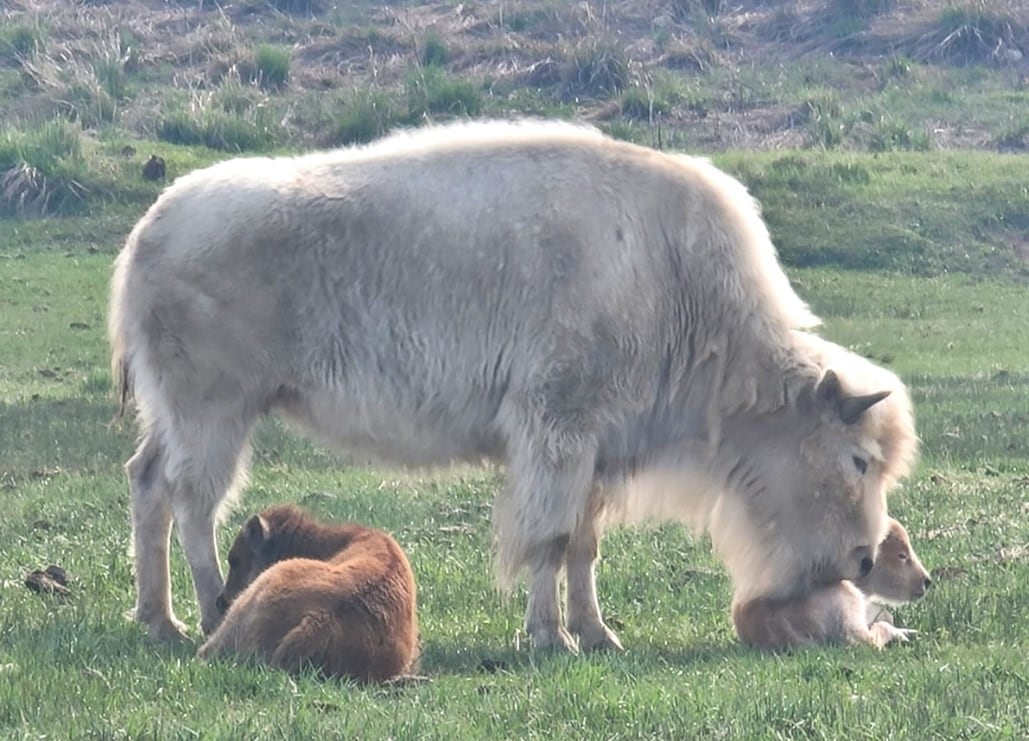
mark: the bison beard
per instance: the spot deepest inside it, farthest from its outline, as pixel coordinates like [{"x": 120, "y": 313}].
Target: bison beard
[{"x": 608, "y": 321}]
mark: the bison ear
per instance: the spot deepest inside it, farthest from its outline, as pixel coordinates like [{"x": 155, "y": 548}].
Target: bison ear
[
  {"x": 829, "y": 387},
  {"x": 257, "y": 531},
  {"x": 852, "y": 407}
]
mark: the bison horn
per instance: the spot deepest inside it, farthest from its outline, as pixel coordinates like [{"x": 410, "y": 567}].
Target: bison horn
[{"x": 852, "y": 407}]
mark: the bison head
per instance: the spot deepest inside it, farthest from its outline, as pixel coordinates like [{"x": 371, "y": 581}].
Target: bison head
[{"x": 808, "y": 506}]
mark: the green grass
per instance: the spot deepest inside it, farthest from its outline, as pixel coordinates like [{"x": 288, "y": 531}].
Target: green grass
[
  {"x": 955, "y": 329},
  {"x": 273, "y": 65},
  {"x": 20, "y": 40},
  {"x": 431, "y": 90},
  {"x": 949, "y": 212}
]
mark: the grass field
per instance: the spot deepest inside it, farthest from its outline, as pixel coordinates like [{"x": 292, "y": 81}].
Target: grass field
[
  {"x": 887, "y": 142},
  {"x": 944, "y": 311}
]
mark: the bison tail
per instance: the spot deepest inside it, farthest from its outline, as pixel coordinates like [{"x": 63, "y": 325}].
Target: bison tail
[
  {"x": 122, "y": 383},
  {"x": 117, "y": 331}
]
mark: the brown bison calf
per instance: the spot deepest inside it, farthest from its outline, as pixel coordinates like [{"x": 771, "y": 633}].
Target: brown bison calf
[
  {"x": 338, "y": 598},
  {"x": 839, "y": 612}
]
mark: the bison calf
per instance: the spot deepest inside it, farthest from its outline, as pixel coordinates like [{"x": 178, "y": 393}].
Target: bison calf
[
  {"x": 338, "y": 598},
  {"x": 839, "y": 612}
]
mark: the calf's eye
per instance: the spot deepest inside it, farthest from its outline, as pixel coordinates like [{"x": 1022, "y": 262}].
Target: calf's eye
[{"x": 860, "y": 464}]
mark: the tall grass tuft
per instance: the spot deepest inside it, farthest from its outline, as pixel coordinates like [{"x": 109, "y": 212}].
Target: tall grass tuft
[
  {"x": 598, "y": 68},
  {"x": 42, "y": 169},
  {"x": 272, "y": 65},
  {"x": 430, "y": 90},
  {"x": 366, "y": 115},
  {"x": 19, "y": 40},
  {"x": 233, "y": 118},
  {"x": 435, "y": 52},
  {"x": 890, "y": 134},
  {"x": 970, "y": 33}
]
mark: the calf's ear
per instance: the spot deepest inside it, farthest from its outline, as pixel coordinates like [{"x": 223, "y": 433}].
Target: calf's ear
[{"x": 257, "y": 531}]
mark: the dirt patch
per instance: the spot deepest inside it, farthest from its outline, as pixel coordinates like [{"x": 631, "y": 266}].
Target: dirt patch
[{"x": 52, "y": 580}]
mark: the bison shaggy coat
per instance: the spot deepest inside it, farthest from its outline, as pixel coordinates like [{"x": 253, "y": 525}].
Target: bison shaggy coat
[
  {"x": 608, "y": 321},
  {"x": 301, "y": 594}
]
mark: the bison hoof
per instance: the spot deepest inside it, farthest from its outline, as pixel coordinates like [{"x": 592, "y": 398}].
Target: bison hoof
[
  {"x": 553, "y": 639},
  {"x": 164, "y": 628},
  {"x": 598, "y": 638}
]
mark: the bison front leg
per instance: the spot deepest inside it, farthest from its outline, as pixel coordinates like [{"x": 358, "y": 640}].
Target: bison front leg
[
  {"x": 543, "y": 620},
  {"x": 549, "y": 477},
  {"x": 584, "y": 617},
  {"x": 196, "y": 523}
]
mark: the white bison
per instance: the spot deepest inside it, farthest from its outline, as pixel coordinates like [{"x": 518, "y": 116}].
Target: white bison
[{"x": 608, "y": 321}]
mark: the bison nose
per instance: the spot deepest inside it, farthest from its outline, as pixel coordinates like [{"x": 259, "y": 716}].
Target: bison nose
[
  {"x": 221, "y": 604},
  {"x": 866, "y": 566},
  {"x": 926, "y": 584}
]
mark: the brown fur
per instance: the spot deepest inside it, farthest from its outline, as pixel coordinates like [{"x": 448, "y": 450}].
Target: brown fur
[
  {"x": 339, "y": 598},
  {"x": 839, "y": 612}
]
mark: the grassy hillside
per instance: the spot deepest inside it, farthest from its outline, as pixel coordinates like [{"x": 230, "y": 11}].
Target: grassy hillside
[
  {"x": 887, "y": 142},
  {"x": 89, "y": 90}
]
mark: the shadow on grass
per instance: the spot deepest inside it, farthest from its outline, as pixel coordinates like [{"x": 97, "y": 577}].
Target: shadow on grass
[{"x": 445, "y": 658}]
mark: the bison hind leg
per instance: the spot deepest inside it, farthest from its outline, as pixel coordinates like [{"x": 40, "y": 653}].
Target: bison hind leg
[
  {"x": 151, "y": 534},
  {"x": 316, "y": 642}
]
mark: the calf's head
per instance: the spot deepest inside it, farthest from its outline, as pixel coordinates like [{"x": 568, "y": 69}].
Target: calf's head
[
  {"x": 252, "y": 552},
  {"x": 898, "y": 576}
]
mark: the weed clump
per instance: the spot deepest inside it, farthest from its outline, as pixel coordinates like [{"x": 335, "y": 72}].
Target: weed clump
[
  {"x": 271, "y": 66},
  {"x": 430, "y": 90},
  {"x": 42, "y": 169},
  {"x": 233, "y": 118},
  {"x": 973, "y": 33},
  {"x": 19, "y": 40},
  {"x": 596, "y": 69},
  {"x": 367, "y": 115},
  {"x": 435, "y": 52}
]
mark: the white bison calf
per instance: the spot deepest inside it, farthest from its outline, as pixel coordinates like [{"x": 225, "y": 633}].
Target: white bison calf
[
  {"x": 845, "y": 612},
  {"x": 608, "y": 321}
]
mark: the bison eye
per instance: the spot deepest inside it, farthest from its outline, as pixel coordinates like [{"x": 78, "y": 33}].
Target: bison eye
[
  {"x": 860, "y": 464},
  {"x": 902, "y": 556}
]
